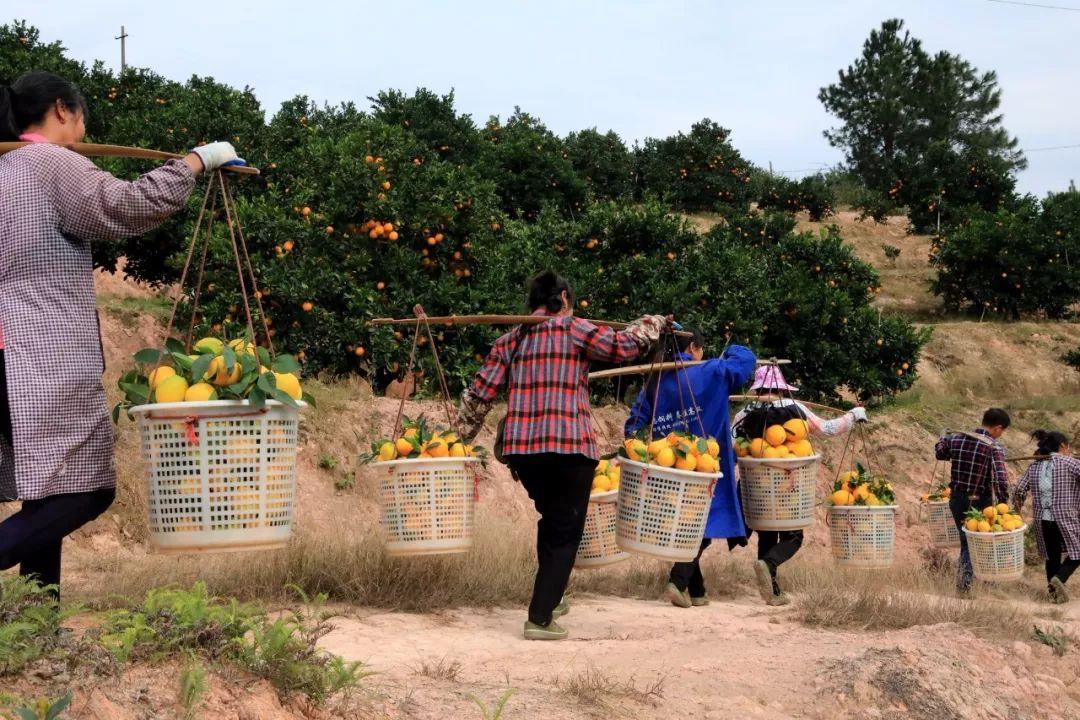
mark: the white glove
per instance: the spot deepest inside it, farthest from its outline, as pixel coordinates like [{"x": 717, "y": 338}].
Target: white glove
[
  {"x": 859, "y": 414},
  {"x": 216, "y": 154}
]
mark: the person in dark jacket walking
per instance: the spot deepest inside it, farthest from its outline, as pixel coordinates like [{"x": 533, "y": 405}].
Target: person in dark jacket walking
[
  {"x": 978, "y": 474},
  {"x": 710, "y": 385},
  {"x": 1054, "y": 486}
]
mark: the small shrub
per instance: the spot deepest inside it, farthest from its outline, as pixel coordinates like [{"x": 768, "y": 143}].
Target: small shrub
[
  {"x": 1055, "y": 638},
  {"x": 192, "y": 687},
  {"x": 1072, "y": 358},
  {"x": 494, "y": 712},
  {"x": 345, "y": 481},
  {"x": 30, "y": 617},
  {"x": 42, "y": 709},
  {"x": 327, "y": 461},
  {"x": 892, "y": 253},
  {"x": 286, "y": 653}
]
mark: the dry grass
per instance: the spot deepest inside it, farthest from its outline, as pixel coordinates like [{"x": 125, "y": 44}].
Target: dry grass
[
  {"x": 592, "y": 687},
  {"x": 901, "y": 598},
  {"x": 442, "y": 669}
]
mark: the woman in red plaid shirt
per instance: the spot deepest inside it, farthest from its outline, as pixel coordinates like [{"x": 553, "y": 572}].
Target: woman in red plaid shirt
[
  {"x": 548, "y": 438},
  {"x": 1054, "y": 484}
]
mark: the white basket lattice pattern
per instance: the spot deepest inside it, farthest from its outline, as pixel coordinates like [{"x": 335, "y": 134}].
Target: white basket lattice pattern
[
  {"x": 862, "y": 536},
  {"x": 997, "y": 557},
  {"x": 428, "y": 506},
  {"x": 662, "y": 512},
  {"x": 221, "y": 477},
  {"x": 599, "y": 547},
  {"x": 778, "y": 494}
]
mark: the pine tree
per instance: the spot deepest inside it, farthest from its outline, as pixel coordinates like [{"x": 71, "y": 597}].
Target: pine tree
[{"x": 922, "y": 131}]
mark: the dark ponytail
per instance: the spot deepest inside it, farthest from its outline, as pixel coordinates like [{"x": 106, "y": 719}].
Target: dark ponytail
[
  {"x": 1049, "y": 441},
  {"x": 545, "y": 290},
  {"x": 29, "y": 98}
]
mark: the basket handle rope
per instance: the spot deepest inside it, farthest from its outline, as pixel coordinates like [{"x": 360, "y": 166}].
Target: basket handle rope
[
  {"x": 217, "y": 188},
  {"x": 448, "y": 406}
]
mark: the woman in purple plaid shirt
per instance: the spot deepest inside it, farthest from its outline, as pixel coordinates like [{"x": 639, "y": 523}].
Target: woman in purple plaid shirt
[
  {"x": 56, "y": 439},
  {"x": 1054, "y": 485},
  {"x": 548, "y": 437}
]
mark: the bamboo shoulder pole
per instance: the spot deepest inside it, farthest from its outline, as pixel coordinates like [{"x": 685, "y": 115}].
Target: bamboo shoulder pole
[
  {"x": 661, "y": 367},
  {"x": 98, "y": 150},
  {"x": 466, "y": 320}
]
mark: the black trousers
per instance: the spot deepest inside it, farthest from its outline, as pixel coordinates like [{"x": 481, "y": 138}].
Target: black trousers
[
  {"x": 559, "y": 486},
  {"x": 776, "y": 547},
  {"x": 32, "y": 538},
  {"x": 1055, "y": 548},
  {"x": 959, "y": 504},
  {"x": 687, "y": 575}
]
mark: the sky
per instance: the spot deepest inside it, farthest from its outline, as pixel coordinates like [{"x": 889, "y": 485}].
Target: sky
[{"x": 642, "y": 68}]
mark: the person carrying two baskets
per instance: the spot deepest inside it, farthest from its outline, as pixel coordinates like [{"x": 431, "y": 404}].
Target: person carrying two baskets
[
  {"x": 1054, "y": 484},
  {"x": 56, "y": 438},
  {"x": 710, "y": 385},
  {"x": 775, "y": 547},
  {"x": 978, "y": 474},
  {"x": 548, "y": 438}
]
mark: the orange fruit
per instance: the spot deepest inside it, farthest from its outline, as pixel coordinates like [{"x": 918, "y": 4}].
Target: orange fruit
[
  {"x": 774, "y": 452},
  {"x": 757, "y": 448},
  {"x": 308, "y": 306},
  {"x": 404, "y": 447},
  {"x": 666, "y": 457},
  {"x": 796, "y": 429},
  {"x": 360, "y": 351},
  {"x": 288, "y": 245},
  {"x": 842, "y": 497},
  {"x": 393, "y": 235},
  {"x": 386, "y": 185},
  {"x": 686, "y": 463},
  {"x": 775, "y": 435}
]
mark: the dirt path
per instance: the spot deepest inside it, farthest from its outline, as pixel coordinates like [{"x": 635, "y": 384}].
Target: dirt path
[{"x": 630, "y": 658}]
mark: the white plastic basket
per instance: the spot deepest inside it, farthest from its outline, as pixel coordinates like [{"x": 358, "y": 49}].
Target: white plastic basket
[
  {"x": 427, "y": 505},
  {"x": 778, "y": 494},
  {"x": 599, "y": 547},
  {"x": 997, "y": 557},
  {"x": 943, "y": 530},
  {"x": 220, "y": 475},
  {"x": 862, "y": 535},
  {"x": 662, "y": 511}
]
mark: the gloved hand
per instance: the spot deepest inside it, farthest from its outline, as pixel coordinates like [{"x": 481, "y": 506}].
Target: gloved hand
[
  {"x": 217, "y": 154},
  {"x": 859, "y": 414}
]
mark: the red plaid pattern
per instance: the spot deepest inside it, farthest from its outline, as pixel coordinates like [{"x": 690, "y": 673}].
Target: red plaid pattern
[
  {"x": 1064, "y": 500},
  {"x": 548, "y": 409},
  {"x": 977, "y": 465}
]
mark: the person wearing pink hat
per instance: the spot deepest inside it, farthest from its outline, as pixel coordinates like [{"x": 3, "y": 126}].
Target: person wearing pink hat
[{"x": 777, "y": 547}]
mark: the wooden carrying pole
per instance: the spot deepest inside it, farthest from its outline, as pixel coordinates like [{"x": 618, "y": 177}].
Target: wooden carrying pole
[
  {"x": 96, "y": 150},
  {"x": 460, "y": 320},
  {"x": 662, "y": 367}
]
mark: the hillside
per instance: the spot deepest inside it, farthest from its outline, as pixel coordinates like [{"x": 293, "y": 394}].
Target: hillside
[{"x": 853, "y": 645}]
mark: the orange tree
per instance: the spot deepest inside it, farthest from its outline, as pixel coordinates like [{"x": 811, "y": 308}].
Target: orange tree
[
  {"x": 529, "y": 166},
  {"x": 1016, "y": 260},
  {"x": 603, "y": 161},
  {"x": 698, "y": 171}
]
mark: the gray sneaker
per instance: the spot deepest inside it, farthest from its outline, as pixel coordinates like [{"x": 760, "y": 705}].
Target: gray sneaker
[
  {"x": 778, "y": 600},
  {"x": 764, "y": 580},
  {"x": 551, "y": 631},
  {"x": 701, "y": 601},
  {"x": 1058, "y": 593},
  {"x": 563, "y": 608},
  {"x": 678, "y": 597}
]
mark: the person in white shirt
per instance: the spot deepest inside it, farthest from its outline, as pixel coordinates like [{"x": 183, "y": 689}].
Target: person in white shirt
[{"x": 777, "y": 547}]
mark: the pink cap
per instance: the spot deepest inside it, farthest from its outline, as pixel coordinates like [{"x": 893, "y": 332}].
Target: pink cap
[{"x": 769, "y": 377}]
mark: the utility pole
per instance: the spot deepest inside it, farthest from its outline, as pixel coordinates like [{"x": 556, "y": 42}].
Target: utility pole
[{"x": 123, "y": 49}]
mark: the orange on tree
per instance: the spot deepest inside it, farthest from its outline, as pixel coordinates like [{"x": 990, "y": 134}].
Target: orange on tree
[{"x": 308, "y": 306}]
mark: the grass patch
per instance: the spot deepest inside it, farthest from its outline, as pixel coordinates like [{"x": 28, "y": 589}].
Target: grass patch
[
  {"x": 593, "y": 687},
  {"x": 899, "y": 600},
  {"x": 1055, "y": 638},
  {"x": 442, "y": 669},
  {"x": 30, "y": 618},
  {"x": 129, "y": 310}
]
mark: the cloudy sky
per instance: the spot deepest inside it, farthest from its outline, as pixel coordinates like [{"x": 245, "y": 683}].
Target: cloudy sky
[{"x": 642, "y": 68}]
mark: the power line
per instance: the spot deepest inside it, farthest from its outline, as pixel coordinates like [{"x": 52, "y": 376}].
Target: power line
[
  {"x": 1056, "y": 147},
  {"x": 1036, "y": 5}
]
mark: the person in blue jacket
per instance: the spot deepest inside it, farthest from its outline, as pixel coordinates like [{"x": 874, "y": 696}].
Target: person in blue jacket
[{"x": 712, "y": 384}]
